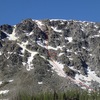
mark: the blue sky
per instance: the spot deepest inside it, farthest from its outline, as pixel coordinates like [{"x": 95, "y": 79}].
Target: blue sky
[{"x": 13, "y": 11}]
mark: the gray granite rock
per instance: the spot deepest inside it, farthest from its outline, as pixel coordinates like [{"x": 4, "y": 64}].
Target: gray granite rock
[{"x": 74, "y": 44}]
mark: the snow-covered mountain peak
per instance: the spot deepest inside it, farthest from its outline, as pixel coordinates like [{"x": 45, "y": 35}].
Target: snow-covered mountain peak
[{"x": 56, "y": 52}]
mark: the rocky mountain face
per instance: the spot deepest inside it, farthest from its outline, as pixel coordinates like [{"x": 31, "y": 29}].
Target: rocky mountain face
[{"x": 48, "y": 55}]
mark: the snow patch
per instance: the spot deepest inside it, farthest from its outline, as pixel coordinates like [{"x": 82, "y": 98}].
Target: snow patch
[
  {"x": 92, "y": 75},
  {"x": 83, "y": 79},
  {"x": 4, "y": 91},
  {"x": 68, "y": 50},
  {"x": 96, "y": 26},
  {"x": 10, "y": 81},
  {"x": 23, "y": 46},
  {"x": 58, "y": 68},
  {"x": 45, "y": 45},
  {"x": 28, "y": 34},
  {"x": 72, "y": 67},
  {"x": 95, "y": 36},
  {"x": 75, "y": 53},
  {"x": 56, "y": 30},
  {"x": 39, "y": 23},
  {"x": 83, "y": 29},
  {"x": 0, "y": 53},
  {"x": 50, "y": 47},
  {"x": 86, "y": 80},
  {"x": 84, "y": 47},
  {"x": 29, "y": 65},
  {"x": 59, "y": 47},
  {"x": 62, "y": 23},
  {"x": 91, "y": 55},
  {"x": 1, "y": 82},
  {"x": 40, "y": 83},
  {"x": 12, "y": 36},
  {"x": 70, "y": 58},
  {"x": 60, "y": 54},
  {"x": 29, "y": 62},
  {"x": 70, "y": 39},
  {"x": 99, "y": 31},
  {"x": 84, "y": 88},
  {"x": 10, "y": 52},
  {"x": 24, "y": 63},
  {"x": 58, "y": 20},
  {"x": 41, "y": 44},
  {"x": 43, "y": 57}
]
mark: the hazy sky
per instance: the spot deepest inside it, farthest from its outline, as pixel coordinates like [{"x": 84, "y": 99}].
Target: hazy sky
[{"x": 13, "y": 11}]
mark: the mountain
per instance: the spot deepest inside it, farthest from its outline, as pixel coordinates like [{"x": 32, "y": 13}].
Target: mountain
[{"x": 48, "y": 55}]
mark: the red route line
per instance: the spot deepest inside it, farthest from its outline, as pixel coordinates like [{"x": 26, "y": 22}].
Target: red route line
[{"x": 79, "y": 82}]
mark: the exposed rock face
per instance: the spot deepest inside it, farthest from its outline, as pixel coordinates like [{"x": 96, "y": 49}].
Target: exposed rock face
[
  {"x": 6, "y": 28},
  {"x": 47, "y": 55}
]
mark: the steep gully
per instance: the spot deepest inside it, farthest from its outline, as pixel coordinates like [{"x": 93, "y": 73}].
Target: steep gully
[{"x": 52, "y": 54}]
